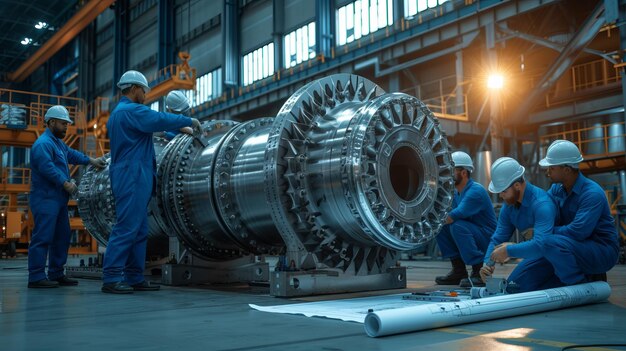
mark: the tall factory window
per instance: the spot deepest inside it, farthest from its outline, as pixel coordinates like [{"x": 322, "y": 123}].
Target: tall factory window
[
  {"x": 300, "y": 45},
  {"x": 208, "y": 87},
  {"x": 412, "y": 7},
  {"x": 258, "y": 64},
  {"x": 362, "y": 17}
]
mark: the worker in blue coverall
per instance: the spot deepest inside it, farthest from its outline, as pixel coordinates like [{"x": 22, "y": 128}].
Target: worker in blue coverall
[
  {"x": 50, "y": 191},
  {"x": 585, "y": 245},
  {"x": 132, "y": 172},
  {"x": 525, "y": 206},
  {"x": 465, "y": 236},
  {"x": 176, "y": 102}
]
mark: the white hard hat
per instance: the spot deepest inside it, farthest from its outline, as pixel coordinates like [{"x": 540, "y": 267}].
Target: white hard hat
[
  {"x": 562, "y": 152},
  {"x": 504, "y": 172},
  {"x": 57, "y": 112},
  {"x": 177, "y": 101},
  {"x": 461, "y": 159},
  {"x": 133, "y": 78}
]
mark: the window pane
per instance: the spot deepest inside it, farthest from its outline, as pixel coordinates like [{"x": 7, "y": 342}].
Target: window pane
[
  {"x": 299, "y": 45},
  {"x": 257, "y": 65},
  {"x": 421, "y": 5},
  {"x": 341, "y": 26},
  {"x": 365, "y": 17},
  {"x": 206, "y": 85},
  {"x": 311, "y": 40}
]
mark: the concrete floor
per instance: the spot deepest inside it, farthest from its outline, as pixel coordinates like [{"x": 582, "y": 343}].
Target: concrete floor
[{"x": 218, "y": 318}]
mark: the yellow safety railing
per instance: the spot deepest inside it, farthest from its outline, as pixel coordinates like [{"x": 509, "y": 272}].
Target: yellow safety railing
[
  {"x": 15, "y": 175},
  {"x": 33, "y": 106},
  {"x": 592, "y": 74},
  {"x": 609, "y": 144}
]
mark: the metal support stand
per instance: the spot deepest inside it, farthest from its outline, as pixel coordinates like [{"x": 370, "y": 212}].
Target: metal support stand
[
  {"x": 301, "y": 283},
  {"x": 242, "y": 270}
]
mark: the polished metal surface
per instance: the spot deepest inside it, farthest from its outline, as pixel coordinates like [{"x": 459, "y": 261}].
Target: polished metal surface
[
  {"x": 342, "y": 178},
  {"x": 353, "y": 174}
]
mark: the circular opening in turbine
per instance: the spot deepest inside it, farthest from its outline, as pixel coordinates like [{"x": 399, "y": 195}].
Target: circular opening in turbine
[{"x": 406, "y": 173}]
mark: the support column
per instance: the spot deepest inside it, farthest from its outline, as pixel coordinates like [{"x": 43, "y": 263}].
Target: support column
[
  {"x": 459, "y": 107},
  {"x": 230, "y": 39},
  {"x": 398, "y": 11},
  {"x": 86, "y": 63},
  {"x": 495, "y": 104},
  {"x": 120, "y": 44},
  {"x": 610, "y": 6},
  {"x": 166, "y": 33},
  {"x": 278, "y": 33},
  {"x": 325, "y": 26}
]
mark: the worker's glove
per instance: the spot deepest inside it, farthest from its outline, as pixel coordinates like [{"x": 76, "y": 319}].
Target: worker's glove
[
  {"x": 70, "y": 187},
  {"x": 99, "y": 162},
  {"x": 187, "y": 130},
  {"x": 486, "y": 271},
  {"x": 195, "y": 124}
]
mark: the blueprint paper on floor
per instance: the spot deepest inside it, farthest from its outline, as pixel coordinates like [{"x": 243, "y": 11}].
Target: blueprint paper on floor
[{"x": 351, "y": 310}]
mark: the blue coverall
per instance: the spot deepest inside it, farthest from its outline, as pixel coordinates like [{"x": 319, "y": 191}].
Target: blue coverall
[
  {"x": 132, "y": 172},
  {"x": 536, "y": 211},
  {"x": 48, "y": 203},
  {"x": 474, "y": 222},
  {"x": 585, "y": 240},
  {"x": 170, "y": 134}
]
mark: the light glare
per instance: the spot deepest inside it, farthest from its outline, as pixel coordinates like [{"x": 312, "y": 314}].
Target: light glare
[{"x": 495, "y": 81}]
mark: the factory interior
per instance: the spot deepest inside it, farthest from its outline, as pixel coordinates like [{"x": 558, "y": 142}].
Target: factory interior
[{"x": 321, "y": 175}]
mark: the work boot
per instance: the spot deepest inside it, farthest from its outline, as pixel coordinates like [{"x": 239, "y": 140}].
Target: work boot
[
  {"x": 145, "y": 286},
  {"x": 65, "y": 281},
  {"x": 474, "y": 277},
  {"x": 44, "y": 283},
  {"x": 116, "y": 288},
  {"x": 457, "y": 273}
]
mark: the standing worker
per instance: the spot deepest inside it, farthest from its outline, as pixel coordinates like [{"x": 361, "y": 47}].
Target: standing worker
[
  {"x": 132, "y": 172},
  {"x": 49, "y": 193},
  {"x": 176, "y": 102},
  {"x": 585, "y": 245},
  {"x": 525, "y": 206},
  {"x": 465, "y": 236}
]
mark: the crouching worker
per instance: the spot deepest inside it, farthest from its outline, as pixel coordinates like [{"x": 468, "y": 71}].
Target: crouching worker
[
  {"x": 585, "y": 245},
  {"x": 465, "y": 236},
  {"x": 525, "y": 206}
]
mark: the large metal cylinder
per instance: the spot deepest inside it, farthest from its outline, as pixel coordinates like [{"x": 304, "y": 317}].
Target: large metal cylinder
[{"x": 343, "y": 176}]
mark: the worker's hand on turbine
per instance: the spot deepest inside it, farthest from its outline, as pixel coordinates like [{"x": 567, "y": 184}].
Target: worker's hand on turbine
[
  {"x": 195, "y": 124},
  {"x": 99, "y": 162},
  {"x": 186, "y": 130},
  {"x": 70, "y": 187}
]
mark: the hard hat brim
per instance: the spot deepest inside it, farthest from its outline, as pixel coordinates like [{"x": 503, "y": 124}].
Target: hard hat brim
[
  {"x": 123, "y": 86},
  {"x": 60, "y": 119},
  {"x": 545, "y": 163},
  {"x": 492, "y": 188}
]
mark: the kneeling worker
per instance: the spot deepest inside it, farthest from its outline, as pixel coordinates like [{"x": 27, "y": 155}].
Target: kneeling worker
[
  {"x": 465, "y": 236},
  {"x": 525, "y": 206},
  {"x": 585, "y": 245}
]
